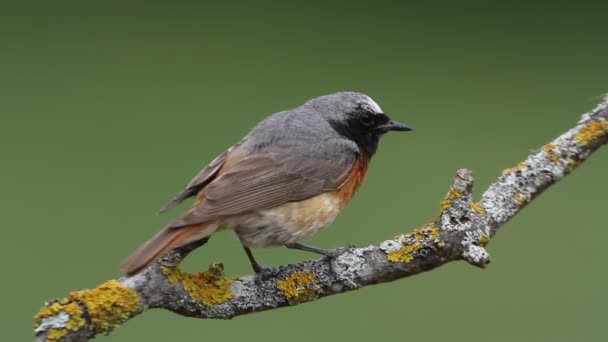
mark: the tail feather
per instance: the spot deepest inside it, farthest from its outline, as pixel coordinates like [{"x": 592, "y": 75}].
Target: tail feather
[{"x": 159, "y": 245}]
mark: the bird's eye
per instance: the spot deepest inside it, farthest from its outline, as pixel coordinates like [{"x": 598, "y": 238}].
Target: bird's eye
[{"x": 366, "y": 119}]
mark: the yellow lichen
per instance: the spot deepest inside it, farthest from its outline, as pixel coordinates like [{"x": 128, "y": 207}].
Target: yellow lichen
[
  {"x": 519, "y": 166},
  {"x": 591, "y": 131},
  {"x": 428, "y": 233},
  {"x": 553, "y": 156},
  {"x": 405, "y": 253},
  {"x": 477, "y": 208},
  {"x": 298, "y": 287},
  {"x": 107, "y": 306},
  {"x": 484, "y": 240},
  {"x": 54, "y": 334},
  {"x": 50, "y": 309},
  {"x": 209, "y": 287},
  {"x": 572, "y": 164},
  {"x": 548, "y": 147},
  {"x": 433, "y": 232},
  {"x": 520, "y": 199},
  {"x": 74, "y": 323},
  {"x": 452, "y": 195},
  {"x": 550, "y": 152}
]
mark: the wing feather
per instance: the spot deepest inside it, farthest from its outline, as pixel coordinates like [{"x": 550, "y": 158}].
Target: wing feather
[
  {"x": 204, "y": 177},
  {"x": 266, "y": 180}
]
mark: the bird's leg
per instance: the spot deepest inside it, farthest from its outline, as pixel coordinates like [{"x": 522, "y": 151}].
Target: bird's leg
[
  {"x": 261, "y": 271},
  {"x": 254, "y": 264},
  {"x": 330, "y": 253}
]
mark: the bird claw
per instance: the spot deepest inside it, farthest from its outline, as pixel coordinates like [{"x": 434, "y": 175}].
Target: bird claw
[
  {"x": 263, "y": 273},
  {"x": 338, "y": 251}
]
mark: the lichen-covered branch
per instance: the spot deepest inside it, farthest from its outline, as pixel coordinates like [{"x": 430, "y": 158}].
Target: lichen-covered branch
[{"x": 460, "y": 232}]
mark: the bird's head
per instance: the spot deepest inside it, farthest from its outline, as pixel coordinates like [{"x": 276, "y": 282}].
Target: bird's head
[{"x": 357, "y": 117}]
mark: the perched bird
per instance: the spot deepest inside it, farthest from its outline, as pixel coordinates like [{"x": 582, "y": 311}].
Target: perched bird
[{"x": 284, "y": 181}]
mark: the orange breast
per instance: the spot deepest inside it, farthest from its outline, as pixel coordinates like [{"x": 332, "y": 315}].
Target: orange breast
[{"x": 352, "y": 183}]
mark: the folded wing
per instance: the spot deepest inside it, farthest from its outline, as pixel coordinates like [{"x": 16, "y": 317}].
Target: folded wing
[{"x": 266, "y": 180}]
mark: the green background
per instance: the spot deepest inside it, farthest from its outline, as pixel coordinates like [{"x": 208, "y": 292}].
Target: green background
[{"x": 107, "y": 110}]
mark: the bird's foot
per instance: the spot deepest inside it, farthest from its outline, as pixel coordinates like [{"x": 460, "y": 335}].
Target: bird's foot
[
  {"x": 263, "y": 273},
  {"x": 336, "y": 252},
  {"x": 330, "y": 253}
]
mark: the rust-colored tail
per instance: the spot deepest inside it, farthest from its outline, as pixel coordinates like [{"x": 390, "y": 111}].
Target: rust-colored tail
[{"x": 161, "y": 244}]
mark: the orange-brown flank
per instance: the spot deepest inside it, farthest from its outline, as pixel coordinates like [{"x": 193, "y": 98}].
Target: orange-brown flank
[{"x": 353, "y": 181}]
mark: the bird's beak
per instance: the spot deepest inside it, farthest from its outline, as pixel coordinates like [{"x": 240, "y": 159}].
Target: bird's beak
[{"x": 393, "y": 125}]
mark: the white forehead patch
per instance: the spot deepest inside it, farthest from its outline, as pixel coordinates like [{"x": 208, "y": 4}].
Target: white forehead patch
[{"x": 373, "y": 105}]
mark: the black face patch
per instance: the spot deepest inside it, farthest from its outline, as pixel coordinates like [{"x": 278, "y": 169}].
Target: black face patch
[{"x": 360, "y": 127}]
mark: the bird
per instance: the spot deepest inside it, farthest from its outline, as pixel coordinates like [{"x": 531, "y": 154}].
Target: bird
[{"x": 288, "y": 178}]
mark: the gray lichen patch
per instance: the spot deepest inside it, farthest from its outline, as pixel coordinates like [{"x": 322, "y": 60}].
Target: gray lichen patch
[
  {"x": 349, "y": 266},
  {"x": 476, "y": 255},
  {"x": 56, "y": 321}
]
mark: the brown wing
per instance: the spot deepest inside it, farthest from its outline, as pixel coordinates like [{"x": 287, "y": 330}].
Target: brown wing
[
  {"x": 264, "y": 181},
  {"x": 200, "y": 180}
]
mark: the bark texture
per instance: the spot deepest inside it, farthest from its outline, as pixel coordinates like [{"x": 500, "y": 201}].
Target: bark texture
[{"x": 460, "y": 232}]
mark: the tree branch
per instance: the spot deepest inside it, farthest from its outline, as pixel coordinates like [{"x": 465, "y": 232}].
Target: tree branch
[{"x": 461, "y": 232}]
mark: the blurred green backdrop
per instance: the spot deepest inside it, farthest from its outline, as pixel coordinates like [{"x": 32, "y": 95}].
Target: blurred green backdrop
[{"x": 107, "y": 110}]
